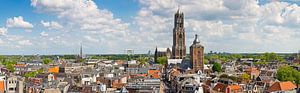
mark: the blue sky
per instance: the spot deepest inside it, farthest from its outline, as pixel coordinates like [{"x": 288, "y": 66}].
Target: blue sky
[{"x": 111, "y": 26}]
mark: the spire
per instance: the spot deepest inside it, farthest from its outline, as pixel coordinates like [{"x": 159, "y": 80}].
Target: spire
[
  {"x": 80, "y": 50},
  {"x": 178, "y": 10},
  {"x": 196, "y": 39}
]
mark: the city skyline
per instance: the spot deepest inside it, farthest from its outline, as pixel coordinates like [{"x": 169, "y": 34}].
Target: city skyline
[{"x": 110, "y": 27}]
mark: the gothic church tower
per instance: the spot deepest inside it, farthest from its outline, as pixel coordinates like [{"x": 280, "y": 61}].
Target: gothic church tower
[{"x": 179, "y": 48}]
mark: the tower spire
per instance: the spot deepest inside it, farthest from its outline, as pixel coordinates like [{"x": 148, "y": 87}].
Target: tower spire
[
  {"x": 178, "y": 48},
  {"x": 80, "y": 50},
  {"x": 196, "y": 39},
  {"x": 179, "y": 9}
]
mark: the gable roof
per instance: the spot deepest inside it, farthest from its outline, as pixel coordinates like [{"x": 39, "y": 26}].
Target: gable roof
[
  {"x": 282, "y": 86},
  {"x": 220, "y": 87},
  {"x": 234, "y": 87}
]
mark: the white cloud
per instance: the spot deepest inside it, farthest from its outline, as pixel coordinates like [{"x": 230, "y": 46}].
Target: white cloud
[
  {"x": 91, "y": 39},
  {"x": 25, "y": 42},
  {"x": 51, "y": 25},
  {"x": 44, "y": 34},
  {"x": 225, "y": 25},
  {"x": 82, "y": 21},
  {"x": 1, "y": 41},
  {"x": 18, "y": 22},
  {"x": 3, "y": 31},
  {"x": 82, "y": 13}
]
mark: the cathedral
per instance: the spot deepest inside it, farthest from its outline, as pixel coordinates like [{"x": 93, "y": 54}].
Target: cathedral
[{"x": 178, "y": 50}]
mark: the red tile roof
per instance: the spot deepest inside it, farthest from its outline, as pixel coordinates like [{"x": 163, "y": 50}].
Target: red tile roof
[
  {"x": 234, "y": 87},
  {"x": 154, "y": 73},
  {"x": 282, "y": 86}
]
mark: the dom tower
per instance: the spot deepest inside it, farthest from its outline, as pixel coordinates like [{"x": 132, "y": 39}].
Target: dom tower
[{"x": 178, "y": 48}]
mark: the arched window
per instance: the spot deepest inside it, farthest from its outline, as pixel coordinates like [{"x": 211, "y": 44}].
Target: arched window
[{"x": 180, "y": 35}]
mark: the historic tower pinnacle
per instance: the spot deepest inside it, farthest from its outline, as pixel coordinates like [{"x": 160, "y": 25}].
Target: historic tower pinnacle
[
  {"x": 81, "y": 55},
  {"x": 178, "y": 48}
]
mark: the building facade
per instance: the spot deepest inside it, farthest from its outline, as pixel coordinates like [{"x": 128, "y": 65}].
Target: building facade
[
  {"x": 162, "y": 52},
  {"x": 179, "y": 48},
  {"x": 197, "y": 55}
]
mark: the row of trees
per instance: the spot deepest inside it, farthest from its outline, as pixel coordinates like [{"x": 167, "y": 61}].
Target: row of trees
[
  {"x": 33, "y": 73},
  {"x": 265, "y": 57},
  {"x": 271, "y": 57},
  {"x": 9, "y": 62},
  {"x": 222, "y": 57},
  {"x": 119, "y": 57}
]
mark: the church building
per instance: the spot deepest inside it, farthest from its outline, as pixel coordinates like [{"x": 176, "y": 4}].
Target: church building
[
  {"x": 178, "y": 51},
  {"x": 179, "y": 48}
]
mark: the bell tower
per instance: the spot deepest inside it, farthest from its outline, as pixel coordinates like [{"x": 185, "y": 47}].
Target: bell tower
[
  {"x": 179, "y": 48},
  {"x": 197, "y": 55}
]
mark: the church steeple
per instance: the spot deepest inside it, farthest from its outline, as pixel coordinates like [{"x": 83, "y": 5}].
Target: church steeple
[
  {"x": 179, "y": 19},
  {"x": 197, "y": 55},
  {"x": 178, "y": 48},
  {"x": 196, "y": 41},
  {"x": 178, "y": 10},
  {"x": 81, "y": 55}
]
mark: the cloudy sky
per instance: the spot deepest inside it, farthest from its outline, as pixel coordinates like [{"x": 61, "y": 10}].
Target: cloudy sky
[{"x": 111, "y": 26}]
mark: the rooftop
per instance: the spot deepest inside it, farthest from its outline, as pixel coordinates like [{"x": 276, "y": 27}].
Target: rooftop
[{"x": 282, "y": 86}]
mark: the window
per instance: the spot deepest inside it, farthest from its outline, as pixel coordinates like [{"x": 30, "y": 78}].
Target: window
[
  {"x": 180, "y": 35},
  {"x": 11, "y": 89}
]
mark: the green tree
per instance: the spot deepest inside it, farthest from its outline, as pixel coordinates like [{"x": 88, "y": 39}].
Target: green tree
[
  {"x": 47, "y": 60},
  {"x": 10, "y": 68},
  {"x": 205, "y": 61},
  {"x": 245, "y": 76},
  {"x": 82, "y": 60},
  {"x": 162, "y": 60},
  {"x": 268, "y": 57},
  {"x": 217, "y": 67},
  {"x": 143, "y": 61},
  {"x": 40, "y": 71},
  {"x": 297, "y": 77},
  {"x": 30, "y": 74},
  {"x": 236, "y": 56},
  {"x": 9, "y": 64},
  {"x": 287, "y": 73}
]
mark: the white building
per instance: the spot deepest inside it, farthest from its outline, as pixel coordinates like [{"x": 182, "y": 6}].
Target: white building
[{"x": 174, "y": 61}]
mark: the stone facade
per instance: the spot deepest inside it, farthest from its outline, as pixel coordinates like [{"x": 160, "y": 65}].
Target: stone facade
[
  {"x": 197, "y": 55},
  {"x": 179, "y": 48},
  {"x": 162, "y": 52}
]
